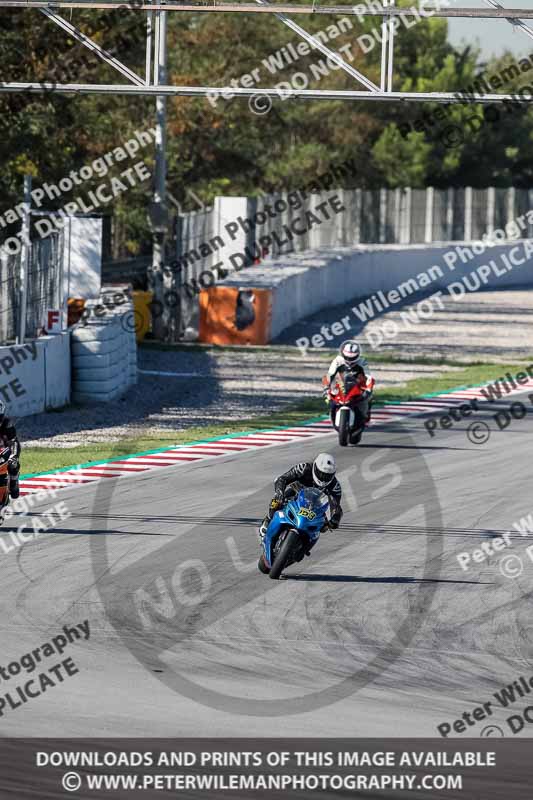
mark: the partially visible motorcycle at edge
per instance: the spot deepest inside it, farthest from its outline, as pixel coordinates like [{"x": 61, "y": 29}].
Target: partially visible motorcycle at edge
[{"x": 5, "y": 479}]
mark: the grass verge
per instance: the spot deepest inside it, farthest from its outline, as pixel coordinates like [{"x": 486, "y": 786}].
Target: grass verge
[{"x": 44, "y": 459}]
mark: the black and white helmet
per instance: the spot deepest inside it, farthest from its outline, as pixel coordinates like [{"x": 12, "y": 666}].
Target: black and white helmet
[
  {"x": 350, "y": 351},
  {"x": 323, "y": 470}
]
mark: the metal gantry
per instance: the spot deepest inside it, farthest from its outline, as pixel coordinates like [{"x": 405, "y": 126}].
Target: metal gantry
[{"x": 156, "y": 13}]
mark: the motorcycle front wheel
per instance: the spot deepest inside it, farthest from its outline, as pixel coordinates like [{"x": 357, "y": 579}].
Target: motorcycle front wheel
[
  {"x": 283, "y": 555},
  {"x": 344, "y": 426}
]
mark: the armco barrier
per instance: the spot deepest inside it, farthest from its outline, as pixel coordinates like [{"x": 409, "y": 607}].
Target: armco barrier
[
  {"x": 104, "y": 357},
  {"x": 255, "y": 305},
  {"x": 35, "y": 376}
]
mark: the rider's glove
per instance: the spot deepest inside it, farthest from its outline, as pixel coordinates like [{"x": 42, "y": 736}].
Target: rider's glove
[{"x": 277, "y": 500}]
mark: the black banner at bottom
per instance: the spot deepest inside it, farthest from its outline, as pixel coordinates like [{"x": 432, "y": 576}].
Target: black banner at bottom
[{"x": 245, "y": 769}]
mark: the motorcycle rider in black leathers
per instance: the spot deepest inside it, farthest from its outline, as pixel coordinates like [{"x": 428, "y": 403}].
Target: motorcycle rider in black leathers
[
  {"x": 8, "y": 437},
  {"x": 319, "y": 474}
]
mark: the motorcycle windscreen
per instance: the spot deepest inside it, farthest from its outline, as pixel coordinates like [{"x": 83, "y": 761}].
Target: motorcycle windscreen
[
  {"x": 313, "y": 504},
  {"x": 350, "y": 380}
]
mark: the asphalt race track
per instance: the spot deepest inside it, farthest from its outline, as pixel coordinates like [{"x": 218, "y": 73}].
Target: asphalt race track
[{"x": 380, "y": 633}]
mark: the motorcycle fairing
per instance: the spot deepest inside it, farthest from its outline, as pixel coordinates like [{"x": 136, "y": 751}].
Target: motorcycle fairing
[{"x": 306, "y": 514}]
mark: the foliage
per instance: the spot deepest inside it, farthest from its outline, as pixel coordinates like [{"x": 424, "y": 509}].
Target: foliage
[{"x": 222, "y": 147}]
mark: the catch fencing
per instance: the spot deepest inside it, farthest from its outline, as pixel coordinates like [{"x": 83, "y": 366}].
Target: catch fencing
[
  {"x": 381, "y": 216},
  {"x": 193, "y": 231},
  {"x": 44, "y": 286}
]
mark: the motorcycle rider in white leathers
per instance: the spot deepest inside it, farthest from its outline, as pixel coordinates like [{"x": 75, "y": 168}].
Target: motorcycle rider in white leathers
[{"x": 349, "y": 358}]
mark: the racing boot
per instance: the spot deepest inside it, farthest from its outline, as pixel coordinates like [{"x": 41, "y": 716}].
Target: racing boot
[
  {"x": 275, "y": 503},
  {"x": 13, "y": 467}
]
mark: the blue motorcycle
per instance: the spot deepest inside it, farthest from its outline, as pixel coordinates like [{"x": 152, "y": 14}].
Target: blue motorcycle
[{"x": 293, "y": 531}]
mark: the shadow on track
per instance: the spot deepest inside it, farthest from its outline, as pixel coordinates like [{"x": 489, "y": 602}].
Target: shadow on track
[
  {"x": 388, "y": 446},
  {"x": 362, "y": 579}
]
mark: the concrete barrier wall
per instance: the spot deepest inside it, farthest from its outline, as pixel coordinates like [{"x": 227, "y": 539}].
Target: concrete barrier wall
[
  {"x": 104, "y": 357},
  {"x": 36, "y": 376},
  {"x": 304, "y": 283},
  {"x": 40, "y": 374},
  {"x": 384, "y": 267}
]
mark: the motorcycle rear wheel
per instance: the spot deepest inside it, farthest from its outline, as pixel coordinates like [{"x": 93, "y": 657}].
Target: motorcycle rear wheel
[{"x": 283, "y": 555}]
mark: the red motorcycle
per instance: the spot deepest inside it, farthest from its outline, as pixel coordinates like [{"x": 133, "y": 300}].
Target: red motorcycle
[{"x": 349, "y": 399}]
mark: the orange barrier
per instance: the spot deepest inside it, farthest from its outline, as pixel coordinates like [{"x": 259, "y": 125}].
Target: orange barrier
[{"x": 233, "y": 315}]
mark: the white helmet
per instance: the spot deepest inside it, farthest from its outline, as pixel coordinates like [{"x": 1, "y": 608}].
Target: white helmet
[
  {"x": 350, "y": 351},
  {"x": 323, "y": 469}
]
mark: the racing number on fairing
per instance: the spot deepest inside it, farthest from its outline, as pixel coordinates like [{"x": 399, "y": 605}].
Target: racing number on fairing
[{"x": 306, "y": 512}]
